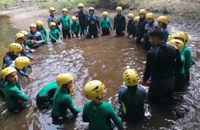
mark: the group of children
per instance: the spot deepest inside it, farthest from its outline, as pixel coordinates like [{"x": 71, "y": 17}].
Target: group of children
[{"x": 57, "y": 94}]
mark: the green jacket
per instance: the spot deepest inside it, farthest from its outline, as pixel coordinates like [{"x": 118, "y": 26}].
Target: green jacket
[
  {"x": 99, "y": 116},
  {"x": 75, "y": 28},
  {"x": 65, "y": 21},
  {"x": 105, "y": 23},
  {"x": 54, "y": 34},
  {"x": 188, "y": 58},
  {"x": 13, "y": 94},
  {"x": 46, "y": 90},
  {"x": 44, "y": 33},
  {"x": 62, "y": 101}
]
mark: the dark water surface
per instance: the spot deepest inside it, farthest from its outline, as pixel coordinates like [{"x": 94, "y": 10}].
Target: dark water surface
[{"x": 105, "y": 59}]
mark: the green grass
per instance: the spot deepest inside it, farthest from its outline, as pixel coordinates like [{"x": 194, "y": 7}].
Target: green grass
[
  {"x": 62, "y": 4},
  {"x": 7, "y": 2}
]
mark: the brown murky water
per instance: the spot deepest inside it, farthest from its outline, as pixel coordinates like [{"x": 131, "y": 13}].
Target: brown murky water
[{"x": 105, "y": 59}]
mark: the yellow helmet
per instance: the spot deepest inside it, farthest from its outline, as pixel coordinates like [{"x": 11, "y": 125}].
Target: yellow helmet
[
  {"x": 163, "y": 19},
  {"x": 137, "y": 19},
  {"x": 171, "y": 37},
  {"x": 22, "y": 62},
  {"x": 150, "y": 16},
  {"x": 91, "y": 8},
  {"x": 130, "y": 15},
  {"x": 33, "y": 25},
  {"x": 15, "y": 48},
  {"x": 51, "y": 9},
  {"x": 64, "y": 10},
  {"x": 52, "y": 24},
  {"x": 178, "y": 43},
  {"x": 18, "y": 36},
  {"x": 24, "y": 32},
  {"x": 130, "y": 77},
  {"x": 94, "y": 90},
  {"x": 142, "y": 11},
  {"x": 74, "y": 18},
  {"x": 39, "y": 23},
  {"x": 182, "y": 35},
  {"x": 105, "y": 13},
  {"x": 119, "y": 8},
  {"x": 8, "y": 70},
  {"x": 63, "y": 78},
  {"x": 80, "y": 5}
]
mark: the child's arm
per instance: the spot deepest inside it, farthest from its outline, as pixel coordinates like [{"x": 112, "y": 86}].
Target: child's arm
[
  {"x": 52, "y": 37},
  {"x": 74, "y": 110},
  {"x": 114, "y": 117},
  {"x": 23, "y": 73}
]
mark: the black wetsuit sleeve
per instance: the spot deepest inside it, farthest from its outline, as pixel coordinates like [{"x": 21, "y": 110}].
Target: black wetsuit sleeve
[
  {"x": 124, "y": 23},
  {"x": 148, "y": 67},
  {"x": 178, "y": 63}
]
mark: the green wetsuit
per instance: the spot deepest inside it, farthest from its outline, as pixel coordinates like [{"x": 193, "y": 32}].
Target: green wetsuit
[
  {"x": 45, "y": 95},
  {"x": 44, "y": 33},
  {"x": 65, "y": 21},
  {"x": 99, "y": 115},
  {"x": 54, "y": 35},
  {"x": 62, "y": 101},
  {"x": 105, "y": 23},
  {"x": 15, "y": 98},
  {"x": 75, "y": 28}
]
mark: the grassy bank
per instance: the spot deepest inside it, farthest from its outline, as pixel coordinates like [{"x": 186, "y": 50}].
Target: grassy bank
[{"x": 8, "y": 2}]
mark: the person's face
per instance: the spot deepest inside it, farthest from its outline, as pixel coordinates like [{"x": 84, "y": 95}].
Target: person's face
[
  {"x": 53, "y": 27},
  {"x": 91, "y": 12},
  {"x": 142, "y": 15},
  {"x": 160, "y": 24},
  {"x": 104, "y": 16},
  {"x": 33, "y": 29},
  {"x": 150, "y": 20},
  {"x": 118, "y": 12},
  {"x": 21, "y": 40},
  {"x": 65, "y": 13},
  {"x": 39, "y": 26},
  {"x": 12, "y": 78},
  {"x": 81, "y": 8},
  {"x": 53, "y": 13},
  {"x": 68, "y": 86},
  {"x": 152, "y": 40}
]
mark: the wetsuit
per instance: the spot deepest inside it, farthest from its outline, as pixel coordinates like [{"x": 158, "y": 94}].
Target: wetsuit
[
  {"x": 148, "y": 27},
  {"x": 15, "y": 98},
  {"x": 54, "y": 35},
  {"x": 131, "y": 30},
  {"x": 8, "y": 59},
  {"x": 188, "y": 62},
  {"x": 82, "y": 17},
  {"x": 106, "y": 26},
  {"x": 119, "y": 24},
  {"x": 35, "y": 36},
  {"x": 166, "y": 34},
  {"x": 162, "y": 60},
  {"x": 45, "y": 96},
  {"x": 65, "y": 22},
  {"x": 43, "y": 33},
  {"x": 132, "y": 102},
  {"x": 92, "y": 26},
  {"x": 100, "y": 115},
  {"x": 76, "y": 29},
  {"x": 53, "y": 19},
  {"x": 21, "y": 72},
  {"x": 140, "y": 30},
  {"x": 62, "y": 101}
]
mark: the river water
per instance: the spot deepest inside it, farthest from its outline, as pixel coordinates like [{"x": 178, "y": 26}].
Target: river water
[{"x": 105, "y": 59}]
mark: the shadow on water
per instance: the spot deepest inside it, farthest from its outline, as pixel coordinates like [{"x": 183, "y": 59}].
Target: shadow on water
[{"x": 105, "y": 59}]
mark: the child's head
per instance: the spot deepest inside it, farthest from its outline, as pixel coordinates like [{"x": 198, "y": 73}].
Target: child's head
[
  {"x": 25, "y": 33},
  {"x": 81, "y": 6},
  {"x": 150, "y": 17},
  {"x": 22, "y": 62},
  {"x": 52, "y": 25},
  {"x": 74, "y": 19},
  {"x": 130, "y": 78},
  {"x": 119, "y": 10},
  {"x": 94, "y": 90},
  {"x": 33, "y": 27},
  {"x": 91, "y": 10},
  {"x": 130, "y": 16},
  {"x": 52, "y": 11},
  {"x": 65, "y": 82},
  {"x": 64, "y": 11},
  {"x": 19, "y": 38},
  {"x": 15, "y": 49},
  {"x": 162, "y": 21},
  {"x": 142, "y": 13},
  {"x": 39, "y": 24},
  {"x": 9, "y": 74},
  {"x": 137, "y": 19},
  {"x": 105, "y": 14}
]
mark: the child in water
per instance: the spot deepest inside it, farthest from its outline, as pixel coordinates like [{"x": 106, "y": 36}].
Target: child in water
[{"x": 54, "y": 34}]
